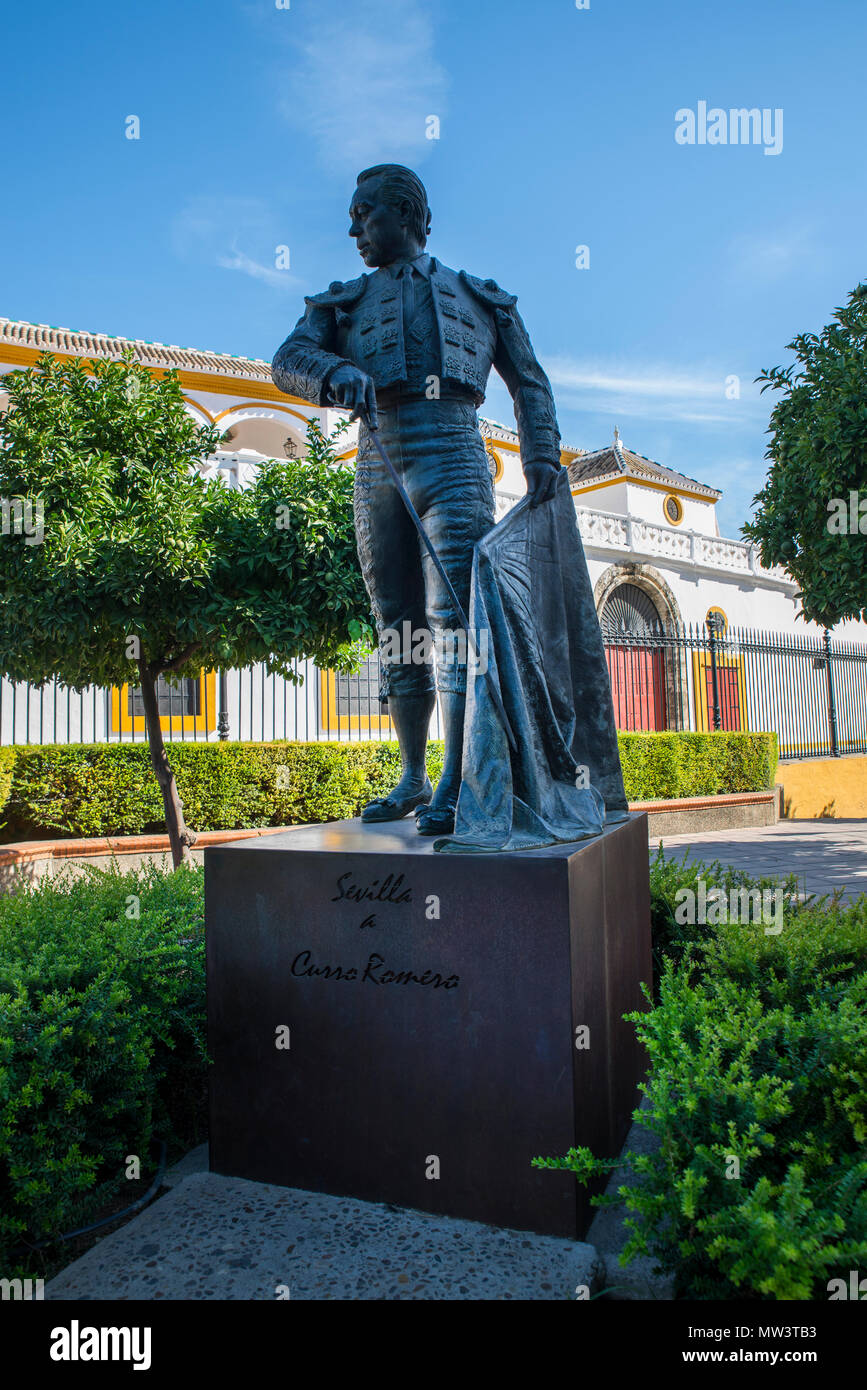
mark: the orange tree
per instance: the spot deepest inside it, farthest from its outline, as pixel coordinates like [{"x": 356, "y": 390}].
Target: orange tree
[
  {"x": 812, "y": 512},
  {"x": 139, "y": 567}
]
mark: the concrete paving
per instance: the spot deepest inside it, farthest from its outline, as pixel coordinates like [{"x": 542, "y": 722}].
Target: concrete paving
[
  {"x": 212, "y": 1237},
  {"x": 823, "y": 854},
  {"x": 609, "y": 1234}
]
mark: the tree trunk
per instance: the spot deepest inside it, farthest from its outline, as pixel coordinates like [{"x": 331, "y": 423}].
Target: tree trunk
[{"x": 180, "y": 837}]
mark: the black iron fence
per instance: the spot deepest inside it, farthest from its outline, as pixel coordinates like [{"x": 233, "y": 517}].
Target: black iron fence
[{"x": 812, "y": 691}]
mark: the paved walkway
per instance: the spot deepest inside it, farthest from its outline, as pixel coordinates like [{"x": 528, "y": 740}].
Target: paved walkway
[
  {"x": 824, "y": 854},
  {"x": 221, "y": 1238},
  {"x": 211, "y": 1237}
]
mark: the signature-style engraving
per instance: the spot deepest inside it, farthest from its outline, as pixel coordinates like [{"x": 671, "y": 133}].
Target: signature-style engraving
[
  {"x": 303, "y": 966},
  {"x": 391, "y": 889}
]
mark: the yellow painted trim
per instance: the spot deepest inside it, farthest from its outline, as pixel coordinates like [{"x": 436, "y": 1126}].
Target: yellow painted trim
[
  {"x": 502, "y": 444},
  {"x": 567, "y": 456},
  {"x": 218, "y": 383},
  {"x": 580, "y": 488},
  {"x": 715, "y": 608},
  {"x": 197, "y": 406},
  {"x": 701, "y": 664},
  {"x": 331, "y": 722},
  {"x": 499, "y": 469},
  {"x": 122, "y": 722},
  {"x": 257, "y": 405},
  {"x": 674, "y": 498},
  {"x": 228, "y": 385},
  {"x": 809, "y": 750}
]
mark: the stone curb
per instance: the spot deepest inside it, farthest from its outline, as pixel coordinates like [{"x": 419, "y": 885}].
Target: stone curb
[
  {"x": 31, "y": 851},
  {"x": 28, "y": 851},
  {"x": 212, "y": 1237}
]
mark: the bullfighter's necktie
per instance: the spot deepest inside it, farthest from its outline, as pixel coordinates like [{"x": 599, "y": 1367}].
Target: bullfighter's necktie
[{"x": 408, "y": 298}]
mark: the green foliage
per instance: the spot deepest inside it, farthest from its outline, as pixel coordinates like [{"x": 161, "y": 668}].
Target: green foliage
[
  {"x": 758, "y": 1051},
  {"x": 662, "y": 766},
  {"x": 818, "y": 452},
  {"x": 137, "y": 543},
  {"x": 102, "y": 1040},
  {"x": 108, "y": 789},
  {"x": 7, "y": 772},
  {"x": 672, "y": 939},
  {"x": 143, "y": 567}
]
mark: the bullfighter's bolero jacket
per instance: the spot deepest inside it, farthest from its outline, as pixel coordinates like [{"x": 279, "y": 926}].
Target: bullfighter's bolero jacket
[{"x": 478, "y": 325}]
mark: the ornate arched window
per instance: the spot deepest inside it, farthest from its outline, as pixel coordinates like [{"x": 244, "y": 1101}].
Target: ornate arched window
[{"x": 630, "y": 609}]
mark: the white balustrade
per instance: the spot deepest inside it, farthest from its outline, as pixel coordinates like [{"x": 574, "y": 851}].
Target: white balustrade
[{"x": 616, "y": 531}]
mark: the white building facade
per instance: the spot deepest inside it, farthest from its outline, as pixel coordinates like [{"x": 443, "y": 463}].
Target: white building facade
[{"x": 657, "y": 562}]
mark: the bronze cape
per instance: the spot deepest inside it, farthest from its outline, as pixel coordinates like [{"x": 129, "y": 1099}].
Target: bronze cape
[{"x": 531, "y": 593}]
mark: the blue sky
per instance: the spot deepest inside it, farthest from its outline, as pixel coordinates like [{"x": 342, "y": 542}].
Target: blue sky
[{"x": 557, "y": 129}]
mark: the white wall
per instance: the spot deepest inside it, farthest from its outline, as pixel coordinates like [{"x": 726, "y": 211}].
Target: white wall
[{"x": 647, "y": 503}]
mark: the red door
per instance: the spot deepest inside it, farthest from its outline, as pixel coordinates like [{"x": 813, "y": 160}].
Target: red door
[
  {"x": 729, "y": 697},
  {"x": 637, "y": 687}
]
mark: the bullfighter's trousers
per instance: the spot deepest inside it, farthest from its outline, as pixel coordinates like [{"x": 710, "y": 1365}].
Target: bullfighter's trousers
[{"x": 439, "y": 455}]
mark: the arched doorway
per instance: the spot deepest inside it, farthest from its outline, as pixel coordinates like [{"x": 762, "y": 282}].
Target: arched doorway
[
  {"x": 630, "y": 609},
  {"x": 635, "y": 649}
]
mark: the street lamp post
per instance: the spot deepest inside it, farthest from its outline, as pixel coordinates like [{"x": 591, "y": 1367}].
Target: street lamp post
[{"x": 714, "y": 624}]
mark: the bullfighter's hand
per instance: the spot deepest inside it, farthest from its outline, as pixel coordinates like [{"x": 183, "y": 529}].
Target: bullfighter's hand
[
  {"x": 541, "y": 478},
  {"x": 352, "y": 388}
]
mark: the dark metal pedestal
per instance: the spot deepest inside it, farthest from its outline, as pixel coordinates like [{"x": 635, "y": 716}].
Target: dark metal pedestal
[{"x": 430, "y": 1004}]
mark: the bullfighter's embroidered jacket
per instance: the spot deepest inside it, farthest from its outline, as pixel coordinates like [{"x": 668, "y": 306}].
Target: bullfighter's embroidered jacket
[{"x": 478, "y": 327}]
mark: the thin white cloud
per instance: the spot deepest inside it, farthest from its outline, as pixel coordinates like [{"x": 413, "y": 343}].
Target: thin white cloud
[
  {"x": 278, "y": 279},
  {"x": 365, "y": 81},
  {"x": 657, "y": 393},
  {"x": 214, "y": 230},
  {"x": 565, "y": 371},
  {"x": 771, "y": 256}
]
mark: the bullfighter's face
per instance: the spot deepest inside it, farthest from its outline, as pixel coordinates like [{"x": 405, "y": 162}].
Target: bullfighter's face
[{"x": 380, "y": 230}]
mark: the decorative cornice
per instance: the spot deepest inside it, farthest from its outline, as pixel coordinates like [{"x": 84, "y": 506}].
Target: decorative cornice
[
  {"x": 74, "y": 343},
  {"x": 508, "y": 439},
  {"x": 698, "y": 491},
  {"x": 21, "y": 344}
]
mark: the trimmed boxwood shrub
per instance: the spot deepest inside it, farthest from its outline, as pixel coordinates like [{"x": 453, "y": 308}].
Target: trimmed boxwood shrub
[
  {"x": 758, "y": 1053},
  {"x": 660, "y": 767},
  {"x": 7, "y": 769},
  {"x": 109, "y": 789},
  {"x": 102, "y": 1040}
]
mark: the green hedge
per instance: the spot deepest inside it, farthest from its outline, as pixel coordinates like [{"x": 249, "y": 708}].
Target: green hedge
[
  {"x": 758, "y": 1052},
  {"x": 102, "y": 1042},
  {"x": 7, "y": 770},
  {"x": 110, "y": 789},
  {"x": 664, "y": 766}
]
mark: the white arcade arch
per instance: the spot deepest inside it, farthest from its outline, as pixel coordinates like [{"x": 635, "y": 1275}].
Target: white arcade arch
[{"x": 273, "y": 431}]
